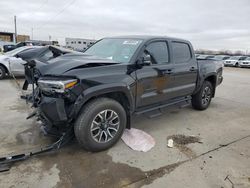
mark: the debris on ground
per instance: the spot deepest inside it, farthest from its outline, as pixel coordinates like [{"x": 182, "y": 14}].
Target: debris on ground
[
  {"x": 138, "y": 140},
  {"x": 180, "y": 142},
  {"x": 184, "y": 140},
  {"x": 170, "y": 143}
]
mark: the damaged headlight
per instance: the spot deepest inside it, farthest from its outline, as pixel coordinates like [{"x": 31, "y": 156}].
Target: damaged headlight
[{"x": 59, "y": 86}]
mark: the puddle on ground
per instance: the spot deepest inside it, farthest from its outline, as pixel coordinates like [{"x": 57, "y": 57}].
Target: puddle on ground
[
  {"x": 79, "y": 168},
  {"x": 180, "y": 142}
]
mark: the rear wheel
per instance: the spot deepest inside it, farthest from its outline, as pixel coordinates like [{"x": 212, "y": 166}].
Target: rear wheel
[
  {"x": 100, "y": 124},
  {"x": 202, "y": 99},
  {"x": 2, "y": 72}
]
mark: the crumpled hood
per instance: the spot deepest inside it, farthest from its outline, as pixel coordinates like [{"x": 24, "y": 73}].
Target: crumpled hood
[{"x": 69, "y": 62}]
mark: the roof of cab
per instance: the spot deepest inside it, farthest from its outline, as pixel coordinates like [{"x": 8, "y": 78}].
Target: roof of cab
[{"x": 147, "y": 37}]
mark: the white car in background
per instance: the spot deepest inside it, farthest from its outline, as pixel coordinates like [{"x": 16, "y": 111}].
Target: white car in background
[
  {"x": 10, "y": 63},
  {"x": 245, "y": 63},
  {"x": 204, "y": 57},
  {"x": 234, "y": 61},
  {"x": 221, "y": 57}
]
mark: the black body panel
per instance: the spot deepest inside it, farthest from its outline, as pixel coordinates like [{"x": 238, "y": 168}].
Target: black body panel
[{"x": 141, "y": 86}]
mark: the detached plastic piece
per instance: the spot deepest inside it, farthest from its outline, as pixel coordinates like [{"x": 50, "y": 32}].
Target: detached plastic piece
[
  {"x": 138, "y": 140},
  {"x": 170, "y": 143},
  {"x": 8, "y": 161}
]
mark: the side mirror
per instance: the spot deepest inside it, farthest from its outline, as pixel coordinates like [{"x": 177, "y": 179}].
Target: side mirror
[{"x": 146, "y": 60}]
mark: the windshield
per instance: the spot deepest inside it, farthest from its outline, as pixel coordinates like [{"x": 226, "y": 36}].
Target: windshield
[
  {"x": 120, "y": 50},
  {"x": 235, "y": 58},
  {"x": 15, "y": 51},
  {"x": 220, "y": 57},
  {"x": 248, "y": 59}
]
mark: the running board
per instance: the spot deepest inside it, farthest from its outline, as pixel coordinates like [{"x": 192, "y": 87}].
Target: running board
[{"x": 186, "y": 100}]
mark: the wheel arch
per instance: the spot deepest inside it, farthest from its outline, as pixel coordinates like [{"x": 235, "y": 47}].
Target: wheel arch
[
  {"x": 4, "y": 66},
  {"x": 119, "y": 93},
  {"x": 212, "y": 79}
]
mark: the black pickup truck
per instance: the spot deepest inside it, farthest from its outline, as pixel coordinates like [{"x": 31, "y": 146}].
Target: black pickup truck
[{"x": 96, "y": 93}]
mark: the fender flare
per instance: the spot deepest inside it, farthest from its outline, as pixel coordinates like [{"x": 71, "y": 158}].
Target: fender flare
[
  {"x": 101, "y": 90},
  {"x": 203, "y": 78}
]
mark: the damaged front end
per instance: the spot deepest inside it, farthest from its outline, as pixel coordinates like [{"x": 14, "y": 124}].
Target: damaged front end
[{"x": 53, "y": 98}]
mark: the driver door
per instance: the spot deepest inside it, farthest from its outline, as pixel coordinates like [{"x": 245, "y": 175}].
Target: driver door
[{"x": 154, "y": 82}]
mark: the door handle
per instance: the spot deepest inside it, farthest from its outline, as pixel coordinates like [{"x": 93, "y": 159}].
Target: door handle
[
  {"x": 162, "y": 72},
  {"x": 167, "y": 71}
]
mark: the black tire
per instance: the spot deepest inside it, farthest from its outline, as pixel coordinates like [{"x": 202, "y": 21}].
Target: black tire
[
  {"x": 92, "y": 112},
  {"x": 202, "y": 99},
  {"x": 2, "y": 72},
  {"x": 237, "y": 65}
]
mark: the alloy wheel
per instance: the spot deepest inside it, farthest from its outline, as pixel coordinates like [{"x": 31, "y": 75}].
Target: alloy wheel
[
  {"x": 104, "y": 126},
  {"x": 206, "y": 95}
]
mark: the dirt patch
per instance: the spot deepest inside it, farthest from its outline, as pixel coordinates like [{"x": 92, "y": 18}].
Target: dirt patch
[
  {"x": 184, "y": 140},
  {"x": 180, "y": 142},
  {"x": 155, "y": 174}
]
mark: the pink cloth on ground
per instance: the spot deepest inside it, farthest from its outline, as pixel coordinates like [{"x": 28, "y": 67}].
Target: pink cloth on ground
[{"x": 138, "y": 140}]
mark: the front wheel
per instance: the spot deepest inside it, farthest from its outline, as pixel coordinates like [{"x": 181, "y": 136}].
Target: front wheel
[
  {"x": 100, "y": 124},
  {"x": 202, "y": 99},
  {"x": 2, "y": 72}
]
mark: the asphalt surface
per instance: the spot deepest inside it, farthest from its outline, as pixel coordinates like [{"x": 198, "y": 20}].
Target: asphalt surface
[{"x": 212, "y": 146}]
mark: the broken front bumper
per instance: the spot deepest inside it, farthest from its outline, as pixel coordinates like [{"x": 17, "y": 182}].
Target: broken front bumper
[
  {"x": 53, "y": 110},
  {"x": 54, "y": 115}
]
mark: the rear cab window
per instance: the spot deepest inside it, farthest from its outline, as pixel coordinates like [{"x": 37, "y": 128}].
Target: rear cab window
[{"x": 181, "y": 52}]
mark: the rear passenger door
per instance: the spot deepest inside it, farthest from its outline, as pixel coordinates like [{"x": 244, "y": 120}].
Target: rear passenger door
[
  {"x": 185, "y": 68},
  {"x": 154, "y": 82}
]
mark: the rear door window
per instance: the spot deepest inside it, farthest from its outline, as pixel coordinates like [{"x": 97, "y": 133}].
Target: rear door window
[{"x": 181, "y": 52}]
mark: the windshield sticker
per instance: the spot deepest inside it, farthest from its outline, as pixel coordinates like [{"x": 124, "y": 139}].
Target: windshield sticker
[
  {"x": 110, "y": 57},
  {"x": 131, "y": 42}
]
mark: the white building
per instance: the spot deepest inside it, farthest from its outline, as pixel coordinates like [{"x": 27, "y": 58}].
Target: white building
[{"x": 78, "y": 43}]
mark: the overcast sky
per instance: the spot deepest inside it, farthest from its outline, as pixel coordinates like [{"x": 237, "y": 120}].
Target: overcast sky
[{"x": 208, "y": 24}]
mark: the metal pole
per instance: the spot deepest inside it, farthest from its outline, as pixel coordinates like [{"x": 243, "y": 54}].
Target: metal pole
[
  {"x": 15, "y": 29},
  {"x": 32, "y": 33}
]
